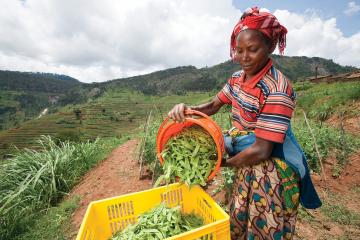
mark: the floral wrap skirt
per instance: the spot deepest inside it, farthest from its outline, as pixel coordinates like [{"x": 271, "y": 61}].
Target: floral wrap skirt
[{"x": 264, "y": 201}]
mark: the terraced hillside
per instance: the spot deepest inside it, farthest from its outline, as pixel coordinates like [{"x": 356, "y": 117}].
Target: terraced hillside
[{"x": 116, "y": 113}]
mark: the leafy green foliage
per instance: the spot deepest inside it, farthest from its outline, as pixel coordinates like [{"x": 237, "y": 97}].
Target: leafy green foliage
[
  {"x": 223, "y": 118},
  {"x": 228, "y": 175},
  {"x": 327, "y": 139},
  {"x": 302, "y": 85}
]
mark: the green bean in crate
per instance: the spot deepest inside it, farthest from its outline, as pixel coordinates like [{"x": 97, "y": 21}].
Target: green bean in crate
[
  {"x": 190, "y": 155},
  {"x": 160, "y": 223}
]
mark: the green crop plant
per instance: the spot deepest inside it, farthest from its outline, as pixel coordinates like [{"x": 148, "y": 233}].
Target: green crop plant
[
  {"x": 327, "y": 139},
  {"x": 228, "y": 175}
]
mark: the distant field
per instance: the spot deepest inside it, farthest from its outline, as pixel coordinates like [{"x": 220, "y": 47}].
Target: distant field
[{"x": 114, "y": 114}]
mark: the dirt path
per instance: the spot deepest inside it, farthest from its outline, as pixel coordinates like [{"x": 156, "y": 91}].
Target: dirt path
[{"x": 116, "y": 175}]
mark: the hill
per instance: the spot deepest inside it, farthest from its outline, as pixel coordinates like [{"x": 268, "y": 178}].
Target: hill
[
  {"x": 188, "y": 78},
  {"x": 23, "y": 95},
  {"x": 36, "y": 82}
]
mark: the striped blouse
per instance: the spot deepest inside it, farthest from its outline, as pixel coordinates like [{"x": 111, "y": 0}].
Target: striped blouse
[{"x": 265, "y": 105}]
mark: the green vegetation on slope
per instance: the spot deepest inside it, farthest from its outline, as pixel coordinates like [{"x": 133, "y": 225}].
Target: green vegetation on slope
[
  {"x": 181, "y": 79},
  {"x": 322, "y": 100},
  {"x": 33, "y": 181},
  {"x": 54, "y": 223},
  {"x": 17, "y": 107},
  {"x": 115, "y": 113},
  {"x": 298, "y": 68},
  {"x": 23, "y": 81}
]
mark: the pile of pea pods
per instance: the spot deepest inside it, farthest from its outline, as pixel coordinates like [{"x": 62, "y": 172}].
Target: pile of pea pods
[{"x": 191, "y": 156}]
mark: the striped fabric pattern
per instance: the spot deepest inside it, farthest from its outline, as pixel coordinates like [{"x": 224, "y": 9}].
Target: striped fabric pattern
[{"x": 265, "y": 106}]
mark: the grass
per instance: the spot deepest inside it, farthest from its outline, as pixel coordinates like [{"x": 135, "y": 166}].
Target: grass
[
  {"x": 334, "y": 210},
  {"x": 35, "y": 180},
  {"x": 356, "y": 189},
  {"x": 304, "y": 215},
  {"x": 53, "y": 224},
  {"x": 340, "y": 214}
]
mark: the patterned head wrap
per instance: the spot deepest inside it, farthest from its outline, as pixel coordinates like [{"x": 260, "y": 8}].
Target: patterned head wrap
[{"x": 263, "y": 22}]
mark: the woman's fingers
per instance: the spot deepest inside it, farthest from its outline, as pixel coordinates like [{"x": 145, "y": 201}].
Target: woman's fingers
[
  {"x": 177, "y": 113},
  {"x": 182, "y": 112}
]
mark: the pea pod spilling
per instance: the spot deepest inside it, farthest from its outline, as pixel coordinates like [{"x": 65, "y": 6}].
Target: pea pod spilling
[
  {"x": 160, "y": 223},
  {"x": 191, "y": 155}
]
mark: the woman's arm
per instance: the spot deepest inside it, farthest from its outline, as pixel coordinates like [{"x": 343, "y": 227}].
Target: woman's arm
[
  {"x": 177, "y": 113},
  {"x": 256, "y": 153}
]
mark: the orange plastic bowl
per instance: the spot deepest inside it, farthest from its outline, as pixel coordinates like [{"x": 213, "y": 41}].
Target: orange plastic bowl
[{"x": 170, "y": 128}]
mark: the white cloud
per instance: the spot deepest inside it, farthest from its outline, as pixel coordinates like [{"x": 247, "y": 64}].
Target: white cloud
[
  {"x": 352, "y": 9},
  {"x": 97, "y": 41},
  {"x": 309, "y": 35}
]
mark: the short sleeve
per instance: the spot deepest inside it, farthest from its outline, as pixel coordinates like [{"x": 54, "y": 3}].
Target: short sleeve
[
  {"x": 274, "y": 118},
  {"x": 225, "y": 94}
]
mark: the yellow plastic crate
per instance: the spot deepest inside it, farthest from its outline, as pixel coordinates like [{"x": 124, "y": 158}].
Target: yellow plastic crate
[{"x": 105, "y": 217}]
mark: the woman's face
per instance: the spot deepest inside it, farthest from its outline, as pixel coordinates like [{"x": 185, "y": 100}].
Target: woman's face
[{"x": 252, "y": 52}]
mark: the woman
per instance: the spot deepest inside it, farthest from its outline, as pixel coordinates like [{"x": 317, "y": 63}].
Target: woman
[{"x": 272, "y": 173}]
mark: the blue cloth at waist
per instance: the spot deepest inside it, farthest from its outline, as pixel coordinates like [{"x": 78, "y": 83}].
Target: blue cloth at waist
[{"x": 289, "y": 151}]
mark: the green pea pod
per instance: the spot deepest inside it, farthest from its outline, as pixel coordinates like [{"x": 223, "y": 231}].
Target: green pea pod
[{"x": 191, "y": 150}]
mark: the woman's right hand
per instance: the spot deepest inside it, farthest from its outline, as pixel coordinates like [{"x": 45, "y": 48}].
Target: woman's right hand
[{"x": 177, "y": 113}]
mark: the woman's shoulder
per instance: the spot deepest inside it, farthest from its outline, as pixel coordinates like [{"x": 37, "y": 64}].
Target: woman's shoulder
[
  {"x": 235, "y": 77},
  {"x": 275, "y": 81}
]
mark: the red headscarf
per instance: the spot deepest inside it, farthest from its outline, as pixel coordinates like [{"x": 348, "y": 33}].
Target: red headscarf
[{"x": 263, "y": 22}]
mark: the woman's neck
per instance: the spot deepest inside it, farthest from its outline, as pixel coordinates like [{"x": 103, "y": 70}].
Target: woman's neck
[{"x": 259, "y": 74}]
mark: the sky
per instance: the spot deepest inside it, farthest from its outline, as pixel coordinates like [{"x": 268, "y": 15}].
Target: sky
[{"x": 96, "y": 41}]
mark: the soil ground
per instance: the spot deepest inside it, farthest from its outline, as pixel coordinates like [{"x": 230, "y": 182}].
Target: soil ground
[{"x": 119, "y": 174}]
